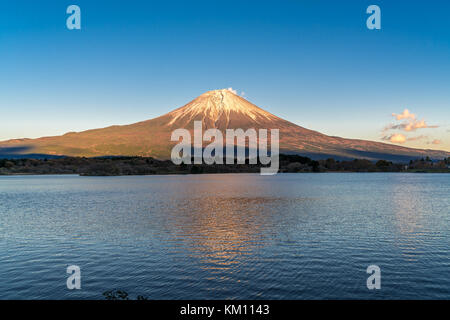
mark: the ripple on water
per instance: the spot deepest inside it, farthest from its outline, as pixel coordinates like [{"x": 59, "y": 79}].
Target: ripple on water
[{"x": 292, "y": 236}]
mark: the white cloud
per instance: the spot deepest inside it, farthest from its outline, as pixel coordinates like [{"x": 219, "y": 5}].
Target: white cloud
[
  {"x": 395, "y": 138},
  {"x": 401, "y": 138},
  {"x": 436, "y": 141},
  {"x": 410, "y": 123},
  {"x": 232, "y": 90},
  {"x": 404, "y": 115}
]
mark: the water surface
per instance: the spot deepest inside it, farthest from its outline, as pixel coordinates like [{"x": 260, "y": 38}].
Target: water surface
[{"x": 230, "y": 236}]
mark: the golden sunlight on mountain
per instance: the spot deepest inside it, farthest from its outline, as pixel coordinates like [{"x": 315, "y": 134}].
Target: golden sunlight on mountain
[{"x": 221, "y": 109}]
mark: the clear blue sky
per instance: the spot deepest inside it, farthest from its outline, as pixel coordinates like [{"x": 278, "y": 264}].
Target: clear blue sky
[{"x": 311, "y": 62}]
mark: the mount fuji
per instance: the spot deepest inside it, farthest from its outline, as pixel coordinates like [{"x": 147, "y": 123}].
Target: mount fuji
[{"x": 221, "y": 109}]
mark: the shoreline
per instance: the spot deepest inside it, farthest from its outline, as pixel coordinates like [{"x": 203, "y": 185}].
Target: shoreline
[
  {"x": 138, "y": 166},
  {"x": 208, "y": 173}
]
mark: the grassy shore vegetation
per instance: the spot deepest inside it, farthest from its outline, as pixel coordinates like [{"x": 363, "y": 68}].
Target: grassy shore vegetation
[{"x": 115, "y": 166}]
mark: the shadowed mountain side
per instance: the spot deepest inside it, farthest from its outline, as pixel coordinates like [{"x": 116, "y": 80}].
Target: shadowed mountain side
[
  {"x": 22, "y": 153},
  {"x": 219, "y": 109}
]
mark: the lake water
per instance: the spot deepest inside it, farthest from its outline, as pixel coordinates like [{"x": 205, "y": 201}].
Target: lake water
[{"x": 233, "y": 236}]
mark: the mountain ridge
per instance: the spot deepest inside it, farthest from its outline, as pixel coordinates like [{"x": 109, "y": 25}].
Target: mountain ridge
[{"x": 221, "y": 109}]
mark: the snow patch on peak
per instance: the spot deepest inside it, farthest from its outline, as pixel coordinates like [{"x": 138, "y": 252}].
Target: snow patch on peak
[
  {"x": 221, "y": 91},
  {"x": 219, "y": 104},
  {"x": 232, "y": 90}
]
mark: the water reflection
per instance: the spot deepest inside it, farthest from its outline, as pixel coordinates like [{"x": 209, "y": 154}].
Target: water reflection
[
  {"x": 410, "y": 217},
  {"x": 223, "y": 230},
  {"x": 293, "y": 236}
]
